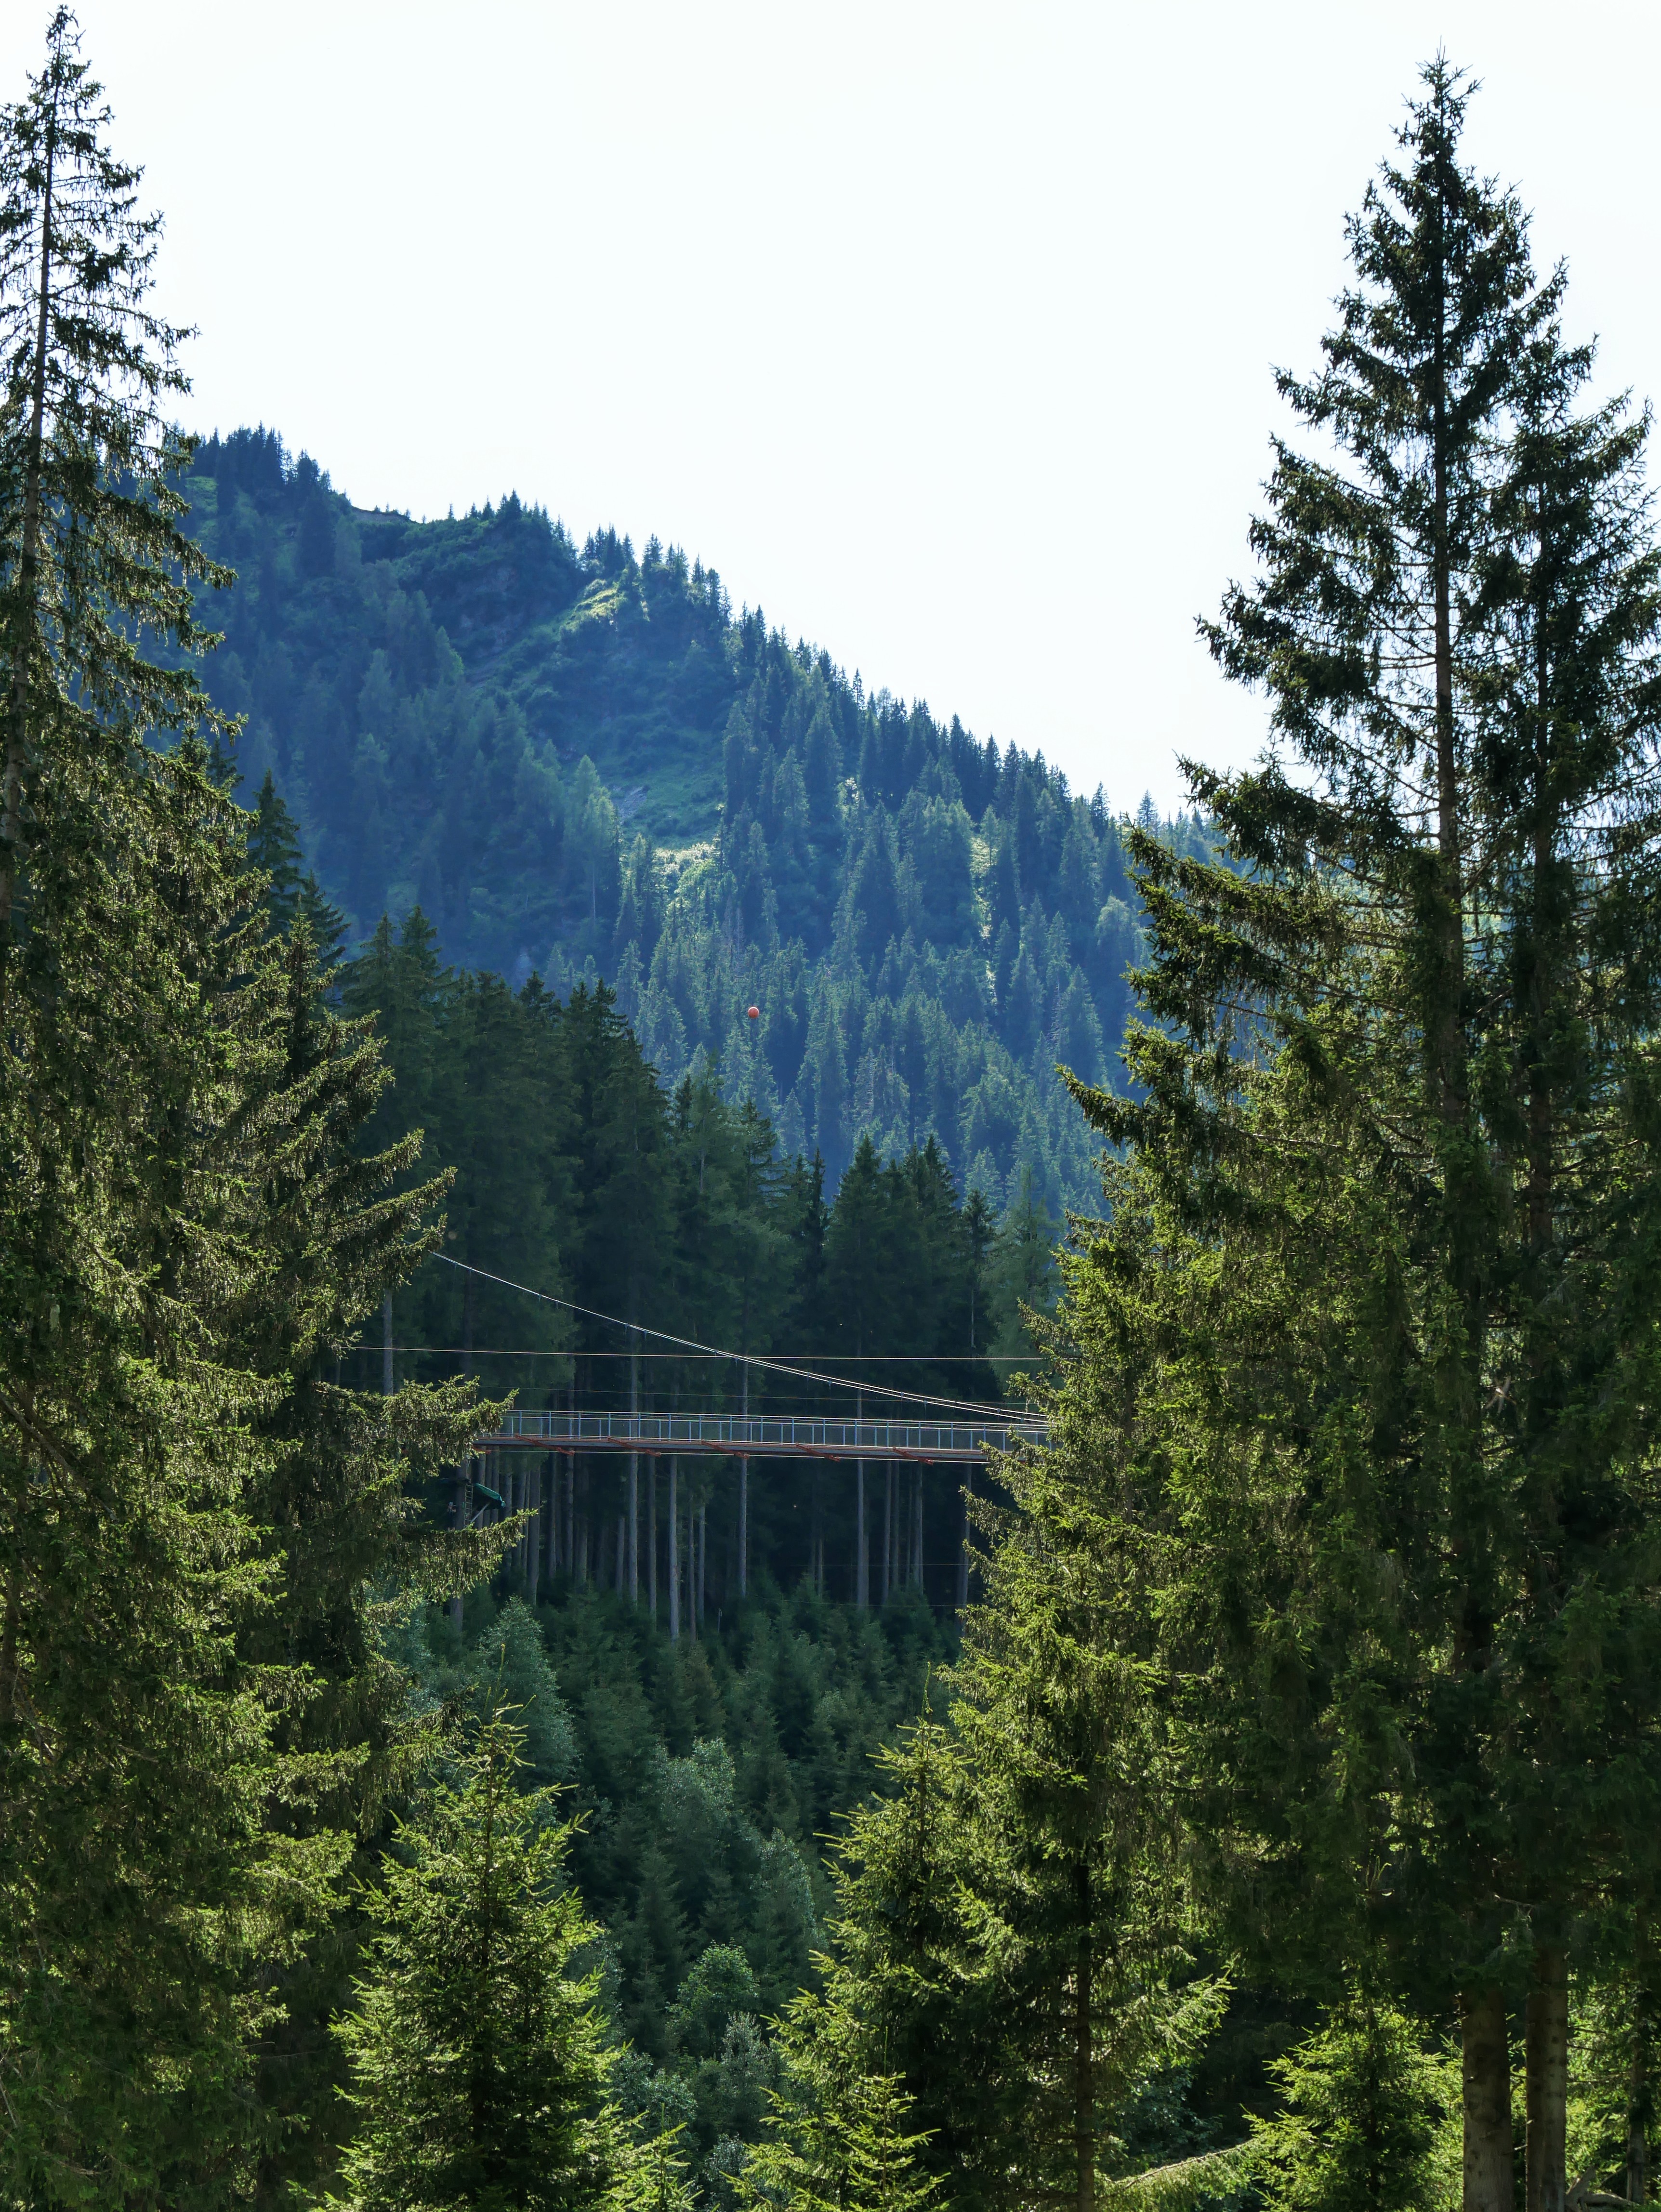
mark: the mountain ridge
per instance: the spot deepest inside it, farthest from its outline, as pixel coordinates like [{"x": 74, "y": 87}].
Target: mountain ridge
[{"x": 579, "y": 762}]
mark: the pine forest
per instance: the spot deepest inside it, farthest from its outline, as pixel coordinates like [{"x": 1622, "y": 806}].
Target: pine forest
[{"x": 749, "y": 1461}]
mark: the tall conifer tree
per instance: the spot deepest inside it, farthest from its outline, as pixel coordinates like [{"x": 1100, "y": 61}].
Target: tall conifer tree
[
  {"x": 177, "y": 1784},
  {"x": 478, "y": 2061},
  {"x": 1378, "y": 1268}
]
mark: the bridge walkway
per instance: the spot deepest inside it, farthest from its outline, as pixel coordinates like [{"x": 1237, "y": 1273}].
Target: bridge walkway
[{"x": 734, "y": 1436}]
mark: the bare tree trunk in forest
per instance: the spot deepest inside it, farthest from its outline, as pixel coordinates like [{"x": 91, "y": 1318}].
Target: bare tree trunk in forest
[
  {"x": 887, "y": 1536},
  {"x": 1640, "y": 2089},
  {"x": 861, "y": 1565},
  {"x": 634, "y": 1472},
  {"x": 674, "y": 1549},
  {"x": 1637, "y": 2113},
  {"x": 743, "y": 1474},
  {"x": 692, "y": 1571},
  {"x": 1546, "y": 2062},
  {"x": 1445, "y": 1038},
  {"x": 1545, "y": 2048},
  {"x": 1084, "y": 2071},
  {"x": 1486, "y": 2071},
  {"x": 1488, "y": 2179},
  {"x": 533, "y": 1531},
  {"x": 965, "y": 1495},
  {"x": 8, "y": 1650},
  {"x": 862, "y": 1556},
  {"x": 553, "y": 1516},
  {"x": 11, "y": 810},
  {"x": 468, "y": 1308}
]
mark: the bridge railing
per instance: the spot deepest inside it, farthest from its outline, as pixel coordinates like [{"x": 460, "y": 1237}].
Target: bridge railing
[{"x": 760, "y": 1436}]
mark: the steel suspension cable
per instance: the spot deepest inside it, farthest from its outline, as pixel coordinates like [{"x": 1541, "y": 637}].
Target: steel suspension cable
[{"x": 718, "y": 1352}]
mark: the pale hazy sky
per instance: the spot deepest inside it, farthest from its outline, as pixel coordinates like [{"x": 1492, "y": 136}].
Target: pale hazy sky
[{"x": 946, "y": 332}]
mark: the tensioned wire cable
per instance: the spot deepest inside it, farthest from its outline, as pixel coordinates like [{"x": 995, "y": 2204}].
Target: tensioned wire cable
[
  {"x": 717, "y": 1351},
  {"x": 859, "y": 1358}
]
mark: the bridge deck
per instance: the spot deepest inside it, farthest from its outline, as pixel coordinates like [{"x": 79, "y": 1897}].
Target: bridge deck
[{"x": 769, "y": 1436}]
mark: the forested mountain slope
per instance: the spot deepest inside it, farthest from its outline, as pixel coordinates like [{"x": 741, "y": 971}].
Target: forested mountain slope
[{"x": 577, "y": 761}]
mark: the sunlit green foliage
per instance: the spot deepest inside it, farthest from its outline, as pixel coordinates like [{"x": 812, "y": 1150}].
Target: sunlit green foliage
[{"x": 477, "y": 2064}]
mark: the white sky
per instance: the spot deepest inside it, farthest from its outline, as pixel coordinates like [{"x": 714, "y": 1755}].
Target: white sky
[{"x": 945, "y": 331}]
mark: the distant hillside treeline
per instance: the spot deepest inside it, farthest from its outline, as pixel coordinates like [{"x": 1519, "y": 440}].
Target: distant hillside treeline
[
  {"x": 577, "y": 1173},
  {"x": 577, "y": 761}
]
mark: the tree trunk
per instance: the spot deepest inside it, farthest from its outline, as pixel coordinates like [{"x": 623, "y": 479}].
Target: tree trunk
[
  {"x": 387, "y": 1345},
  {"x": 571, "y": 1480},
  {"x": 861, "y": 1563},
  {"x": 533, "y": 1531},
  {"x": 1546, "y": 2062},
  {"x": 965, "y": 1494},
  {"x": 11, "y": 808},
  {"x": 1638, "y": 2145},
  {"x": 888, "y": 1576},
  {"x": 861, "y": 1556},
  {"x": 634, "y": 1473},
  {"x": 744, "y": 1487},
  {"x": 553, "y": 1517},
  {"x": 674, "y": 1549},
  {"x": 1640, "y": 2092},
  {"x": 469, "y": 1302},
  {"x": 1486, "y": 2068},
  {"x": 1444, "y": 1036},
  {"x": 8, "y": 1650},
  {"x": 1083, "y": 2072}
]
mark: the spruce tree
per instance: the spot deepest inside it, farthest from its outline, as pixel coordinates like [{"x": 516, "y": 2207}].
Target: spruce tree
[
  {"x": 1010, "y": 1933},
  {"x": 340, "y": 1506},
  {"x": 193, "y": 1715},
  {"x": 274, "y": 849},
  {"x": 1078, "y": 1882},
  {"x": 144, "y": 1899},
  {"x": 840, "y": 2135},
  {"x": 91, "y": 549},
  {"x": 906, "y": 1964},
  {"x": 1376, "y": 1274},
  {"x": 1365, "y": 2099},
  {"x": 147, "y": 1899},
  {"x": 478, "y": 2058}
]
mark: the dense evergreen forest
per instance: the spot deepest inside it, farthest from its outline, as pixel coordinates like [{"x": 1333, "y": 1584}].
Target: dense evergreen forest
[
  {"x": 584, "y": 1195},
  {"x": 577, "y": 763},
  {"x": 1246, "y": 1791}
]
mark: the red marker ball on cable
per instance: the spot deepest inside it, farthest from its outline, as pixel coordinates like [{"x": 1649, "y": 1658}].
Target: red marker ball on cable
[{"x": 755, "y": 1013}]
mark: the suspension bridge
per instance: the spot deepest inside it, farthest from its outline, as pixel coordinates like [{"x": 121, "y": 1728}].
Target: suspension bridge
[
  {"x": 520, "y": 1451},
  {"x": 960, "y": 1433},
  {"x": 737, "y": 1436}
]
